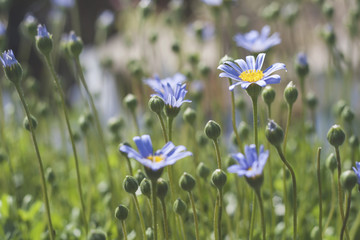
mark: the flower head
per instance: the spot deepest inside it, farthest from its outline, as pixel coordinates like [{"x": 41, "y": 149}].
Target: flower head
[
  {"x": 11, "y": 66},
  {"x": 251, "y": 165},
  {"x": 64, "y": 3},
  {"x": 2, "y": 29},
  {"x": 213, "y": 2},
  {"x": 249, "y": 72},
  {"x": 301, "y": 59},
  {"x": 357, "y": 171},
  {"x": 167, "y": 155},
  {"x": 255, "y": 41},
  {"x": 8, "y": 59},
  {"x": 156, "y": 82},
  {"x": 42, "y": 32}
]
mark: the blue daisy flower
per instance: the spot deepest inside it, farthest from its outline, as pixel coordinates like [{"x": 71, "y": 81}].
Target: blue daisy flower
[
  {"x": 251, "y": 165},
  {"x": 42, "y": 32},
  {"x": 156, "y": 82},
  {"x": 249, "y": 72},
  {"x": 357, "y": 171},
  {"x": 256, "y": 42},
  {"x": 8, "y": 59},
  {"x": 167, "y": 155}
]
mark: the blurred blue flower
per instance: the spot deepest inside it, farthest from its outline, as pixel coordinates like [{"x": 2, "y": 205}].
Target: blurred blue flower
[
  {"x": 256, "y": 42},
  {"x": 106, "y": 18},
  {"x": 8, "y": 59},
  {"x": 249, "y": 72},
  {"x": 357, "y": 171},
  {"x": 167, "y": 155},
  {"x": 42, "y": 32},
  {"x": 213, "y": 2},
  {"x": 156, "y": 83},
  {"x": 64, "y": 3},
  {"x": 301, "y": 59},
  {"x": 251, "y": 165},
  {"x": 2, "y": 29}
]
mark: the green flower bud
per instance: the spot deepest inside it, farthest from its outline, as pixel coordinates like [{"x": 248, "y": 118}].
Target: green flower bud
[
  {"x": 336, "y": 136},
  {"x": 115, "y": 124},
  {"x": 97, "y": 235},
  {"x": 44, "y": 45},
  {"x": 339, "y": 107},
  {"x": 75, "y": 45},
  {"x": 106, "y": 63},
  {"x": 225, "y": 58},
  {"x": 156, "y": 104},
  {"x": 309, "y": 127},
  {"x": 311, "y": 100},
  {"x": 145, "y": 187},
  {"x": 130, "y": 184},
  {"x": 179, "y": 206},
  {"x": 301, "y": 65},
  {"x": 187, "y": 182},
  {"x": 347, "y": 114},
  {"x": 3, "y": 156},
  {"x": 348, "y": 180},
  {"x": 193, "y": 59},
  {"x": 354, "y": 142},
  {"x": 26, "y": 123},
  {"x": 242, "y": 22},
  {"x": 212, "y": 130},
  {"x": 274, "y": 133},
  {"x": 268, "y": 95},
  {"x": 162, "y": 188},
  {"x": 76, "y": 136},
  {"x": 219, "y": 178},
  {"x": 205, "y": 70},
  {"x": 153, "y": 38},
  {"x": 201, "y": 139},
  {"x": 84, "y": 123},
  {"x": 202, "y": 170},
  {"x": 331, "y": 162},
  {"x": 14, "y": 73},
  {"x": 271, "y": 12},
  {"x": 290, "y": 93},
  {"x": 121, "y": 212},
  {"x": 328, "y": 9},
  {"x": 240, "y": 103},
  {"x": 328, "y": 35},
  {"x": 50, "y": 175},
  {"x": 149, "y": 233},
  {"x": 175, "y": 47},
  {"x": 189, "y": 116},
  {"x": 130, "y": 102},
  {"x": 139, "y": 176},
  {"x": 29, "y": 25},
  {"x": 244, "y": 130}
]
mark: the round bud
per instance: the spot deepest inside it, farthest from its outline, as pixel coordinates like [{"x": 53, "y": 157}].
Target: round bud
[
  {"x": 347, "y": 114},
  {"x": 121, "y": 212},
  {"x": 193, "y": 59},
  {"x": 204, "y": 70},
  {"x": 329, "y": 35},
  {"x": 161, "y": 188},
  {"x": 240, "y": 103},
  {"x": 83, "y": 123},
  {"x": 145, "y": 187},
  {"x": 153, "y": 38},
  {"x": 26, "y": 123},
  {"x": 336, "y": 136},
  {"x": 219, "y": 178},
  {"x": 115, "y": 124},
  {"x": 14, "y": 73},
  {"x": 348, "y": 180},
  {"x": 179, "y": 206},
  {"x": 339, "y": 107},
  {"x": 328, "y": 9},
  {"x": 189, "y": 116},
  {"x": 354, "y": 141},
  {"x": 44, "y": 45},
  {"x": 202, "y": 170},
  {"x": 50, "y": 175},
  {"x": 156, "y": 104},
  {"x": 149, "y": 233},
  {"x": 97, "y": 235},
  {"x": 130, "y": 102},
  {"x": 244, "y": 130},
  {"x": 187, "y": 182},
  {"x": 148, "y": 120},
  {"x": 139, "y": 176},
  {"x": 311, "y": 100},
  {"x": 130, "y": 184},
  {"x": 268, "y": 95},
  {"x": 301, "y": 65},
  {"x": 226, "y": 58},
  {"x": 30, "y": 25},
  {"x": 75, "y": 45},
  {"x": 212, "y": 130},
  {"x": 175, "y": 47},
  {"x": 201, "y": 139},
  {"x": 290, "y": 93},
  {"x": 331, "y": 162},
  {"x": 274, "y": 133}
]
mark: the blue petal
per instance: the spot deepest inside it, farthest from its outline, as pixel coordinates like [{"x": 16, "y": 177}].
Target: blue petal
[
  {"x": 273, "y": 68},
  {"x": 273, "y": 79},
  {"x": 144, "y": 145},
  {"x": 226, "y": 68},
  {"x": 231, "y": 88},
  {"x": 234, "y": 66},
  {"x": 228, "y": 75},
  {"x": 259, "y": 61},
  {"x": 242, "y": 64},
  {"x": 245, "y": 85},
  {"x": 130, "y": 152},
  {"x": 250, "y": 60},
  {"x": 261, "y": 83}
]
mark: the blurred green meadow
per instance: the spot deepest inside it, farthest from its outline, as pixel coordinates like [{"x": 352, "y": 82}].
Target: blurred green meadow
[{"x": 100, "y": 78}]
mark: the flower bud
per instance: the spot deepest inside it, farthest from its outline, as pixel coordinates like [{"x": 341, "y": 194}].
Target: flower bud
[
  {"x": 156, "y": 104},
  {"x": 12, "y": 68},
  {"x": 139, "y": 176},
  {"x": 205, "y": 70},
  {"x": 44, "y": 41},
  {"x": 301, "y": 65},
  {"x": 339, "y": 107},
  {"x": 84, "y": 123},
  {"x": 26, "y": 123},
  {"x": 189, "y": 116},
  {"x": 328, "y": 9},
  {"x": 187, "y": 182},
  {"x": 130, "y": 184},
  {"x": 97, "y": 235},
  {"x": 29, "y": 24},
  {"x": 331, "y": 162},
  {"x": 274, "y": 133},
  {"x": 179, "y": 206},
  {"x": 162, "y": 188},
  {"x": 244, "y": 130},
  {"x": 121, "y": 212},
  {"x": 50, "y": 175},
  {"x": 219, "y": 178},
  {"x": 202, "y": 170},
  {"x": 290, "y": 93},
  {"x": 348, "y": 180},
  {"x": 311, "y": 100},
  {"x": 336, "y": 136},
  {"x": 115, "y": 124},
  {"x": 225, "y": 58},
  {"x": 148, "y": 120},
  {"x": 149, "y": 233},
  {"x": 354, "y": 142},
  {"x": 268, "y": 95},
  {"x": 153, "y": 38},
  {"x": 75, "y": 45},
  {"x": 175, "y": 47},
  {"x": 201, "y": 139},
  {"x": 329, "y": 35},
  {"x": 347, "y": 114},
  {"x": 212, "y": 130},
  {"x": 145, "y": 187},
  {"x": 193, "y": 59},
  {"x": 130, "y": 102}
]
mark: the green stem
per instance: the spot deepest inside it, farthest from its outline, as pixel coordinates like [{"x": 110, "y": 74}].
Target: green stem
[
  {"x": 333, "y": 199},
  {"x": 165, "y": 219},
  {"x": 170, "y": 121},
  {"x": 154, "y": 208},
  {"x": 320, "y": 195},
  {"x": 346, "y": 216},
  {"x": 41, "y": 168},
  {"x": 287, "y": 126},
  {"x": 289, "y": 167},
  {"x": 133, "y": 115},
  {"x": 163, "y": 128},
  {"x": 182, "y": 227},
  {"x": 140, "y": 215},
  {"x": 233, "y": 115},
  {"x": 253, "y": 214},
  {"x": 269, "y": 110},
  {"x": 255, "y": 119},
  {"x": 217, "y": 151},
  {"x": 263, "y": 225},
  {"x": 129, "y": 166},
  {"x": 216, "y": 210},
  {"x": 62, "y": 96},
  {"x": 195, "y": 215},
  {"x": 219, "y": 213},
  {"x": 123, "y": 225}
]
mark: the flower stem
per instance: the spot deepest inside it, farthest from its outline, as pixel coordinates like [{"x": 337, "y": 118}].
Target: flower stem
[
  {"x": 62, "y": 96},
  {"x": 163, "y": 128},
  {"x": 216, "y": 210},
  {"x": 41, "y": 168},
  {"x": 140, "y": 216},
  {"x": 333, "y": 199},
  {"x": 163, "y": 205},
  {"x": 233, "y": 115},
  {"x": 219, "y": 213},
  {"x": 253, "y": 214},
  {"x": 123, "y": 225},
  {"x": 154, "y": 207},
  {"x": 254, "y": 102},
  {"x": 195, "y": 215},
  {"x": 217, "y": 151},
  {"x": 346, "y": 216},
  {"x": 289, "y": 167},
  {"x": 287, "y": 126},
  {"x": 170, "y": 121},
  {"x": 263, "y": 225},
  {"x": 320, "y": 197}
]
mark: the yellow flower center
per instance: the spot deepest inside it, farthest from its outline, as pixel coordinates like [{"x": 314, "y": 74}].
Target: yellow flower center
[
  {"x": 155, "y": 158},
  {"x": 251, "y": 75}
]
